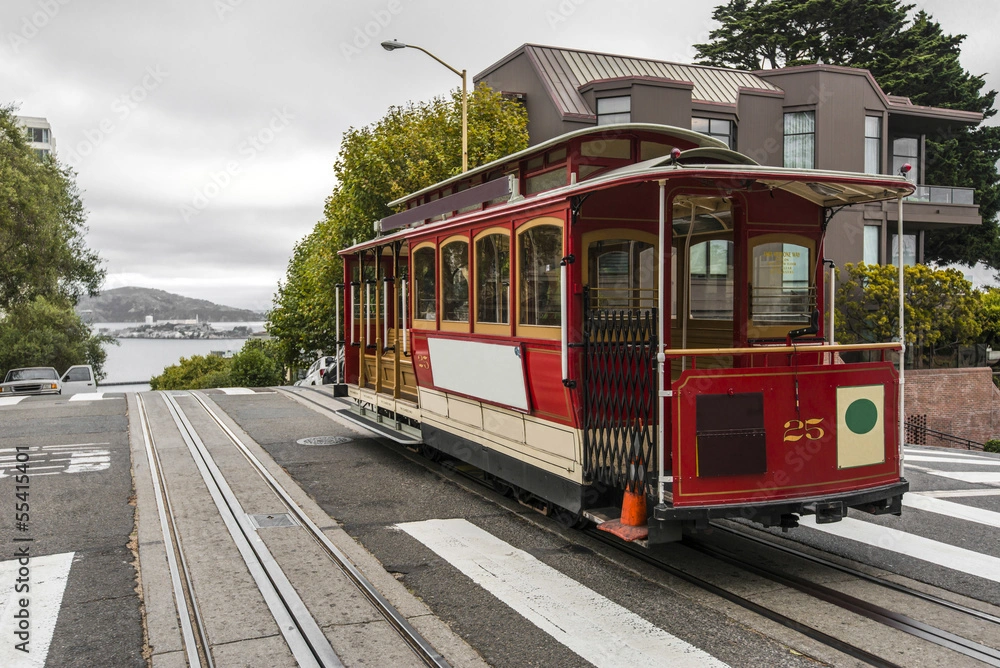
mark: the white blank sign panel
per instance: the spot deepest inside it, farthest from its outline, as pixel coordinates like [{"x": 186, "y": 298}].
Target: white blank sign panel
[{"x": 489, "y": 371}]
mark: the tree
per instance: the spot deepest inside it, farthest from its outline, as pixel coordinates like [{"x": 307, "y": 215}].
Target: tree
[
  {"x": 42, "y": 226},
  {"x": 255, "y": 365},
  {"x": 940, "y": 306},
  {"x": 990, "y": 317},
  {"x": 47, "y": 333},
  {"x": 411, "y": 147},
  {"x": 910, "y": 57},
  {"x": 197, "y": 372}
]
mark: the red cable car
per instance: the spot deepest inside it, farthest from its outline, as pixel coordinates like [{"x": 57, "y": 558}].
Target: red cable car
[{"x": 512, "y": 317}]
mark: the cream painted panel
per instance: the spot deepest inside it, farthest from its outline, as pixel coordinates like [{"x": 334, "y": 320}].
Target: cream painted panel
[
  {"x": 490, "y": 371},
  {"x": 550, "y": 439},
  {"x": 468, "y": 412},
  {"x": 503, "y": 424},
  {"x": 433, "y": 402}
]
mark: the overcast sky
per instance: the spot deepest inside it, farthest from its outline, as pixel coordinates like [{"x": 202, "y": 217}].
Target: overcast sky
[{"x": 204, "y": 131}]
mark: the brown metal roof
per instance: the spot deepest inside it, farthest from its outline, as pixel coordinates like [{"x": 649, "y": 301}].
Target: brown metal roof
[{"x": 565, "y": 71}]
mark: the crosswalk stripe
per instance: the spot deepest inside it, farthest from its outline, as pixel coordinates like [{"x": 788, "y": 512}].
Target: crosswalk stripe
[
  {"x": 237, "y": 390},
  {"x": 11, "y": 401},
  {"x": 948, "y": 452},
  {"x": 954, "y": 460},
  {"x": 48, "y": 576},
  {"x": 959, "y": 511},
  {"x": 957, "y": 493},
  {"x": 578, "y": 617},
  {"x": 918, "y": 547},
  {"x": 974, "y": 477},
  {"x": 87, "y": 396}
]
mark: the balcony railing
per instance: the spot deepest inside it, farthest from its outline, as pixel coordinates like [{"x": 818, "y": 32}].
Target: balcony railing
[{"x": 942, "y": 195}]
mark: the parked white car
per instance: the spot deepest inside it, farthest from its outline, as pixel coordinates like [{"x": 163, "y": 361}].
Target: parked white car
[
  {"x": 31, "y": 380},
  {"x": 79, "y": 378},
  {"x": 314, "y": 376}
]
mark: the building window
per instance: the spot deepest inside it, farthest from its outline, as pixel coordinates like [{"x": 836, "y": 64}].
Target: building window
[
  {"x": 455, "y": 281},
  {"x": 909, "y": 250},
  {"x": 873, "y": 239},
  {"x": 711, "y": 280},
  {"x": 614, "y": 110},
  {"x": 424, "y": 293},
  {"x": 800, "y": 139},
  {"x": 906, "y": 150},
  {"x": 38, "y": 135},
  {"x": 493, "y": 279},
  {"x": 717, "y": 128},
  {"x": 873, "y": 144},
  {"x": 539, "y": 254},
  {"x": 41, "y": 153}
]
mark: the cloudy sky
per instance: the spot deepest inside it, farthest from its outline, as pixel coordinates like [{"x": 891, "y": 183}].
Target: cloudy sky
[{"x": 203, "y": 131}]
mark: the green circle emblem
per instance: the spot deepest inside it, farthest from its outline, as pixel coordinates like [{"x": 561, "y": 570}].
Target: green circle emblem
[{"x": 861, "y": 416}]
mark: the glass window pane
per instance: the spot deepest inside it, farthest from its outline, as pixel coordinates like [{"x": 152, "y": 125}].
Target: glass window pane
[
  {"x": 608, "y": 119},
  {"x": 540, "y": 252},
  {"x": 614, "y": 105},
  {"x": 873, "y": 155},
  {"x": 909, "y": 250},
  {"x": 424, "y": 293},
  {"x": 781, "y": 284},
  {"x": 873, "y": 238},
  {"x": 799, "y": 151},
  {"x": 455, "y": 281},
  {"x": 545, "y": 181},
  {"x": 607, "y": 148},
  {"x": 908, "y": 146},
  {"x": 899, "y": 161},
  {"x": 800, "y": 122},
  {"x": 493, "y": 279},
  {"x": 711, "y": 291},
  {"x": 873, "y": 127},
  {"x": 556, "y": 156},
  {"x": 534, "y": 163},
  {"x": 622, "y": 274},
  {"x": 650, "y": 149},
  {"x": 700, "y": 125},
  {"x": 719, "y": 127}
]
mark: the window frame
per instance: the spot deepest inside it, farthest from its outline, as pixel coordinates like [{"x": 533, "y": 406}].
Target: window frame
[
  {"x": 729, "y": 137},
  {"x": 551, "y": 332},
  {"x": 727, "y": 236},
  {"x": 452, "y": 325},
  {"x": 618, "y": 233},
  {"x": 878, "y": 143},
  {"x": 494, "y": 328},
  {"x": 786, "y": 135},
  {"x": 416, "y": 322},
  {"x": 599, "y": 115},
  {"x": 792, "y": 238}
]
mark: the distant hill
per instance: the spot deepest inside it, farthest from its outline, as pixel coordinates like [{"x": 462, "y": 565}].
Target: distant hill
[{"x": 131, "y": 304}]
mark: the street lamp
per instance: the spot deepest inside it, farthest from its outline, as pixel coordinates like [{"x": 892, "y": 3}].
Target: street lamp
[{"x": 392, "y": 45}]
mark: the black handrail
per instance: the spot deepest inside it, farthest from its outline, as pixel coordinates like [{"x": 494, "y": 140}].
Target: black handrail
[{"x": 913, "y": 428}]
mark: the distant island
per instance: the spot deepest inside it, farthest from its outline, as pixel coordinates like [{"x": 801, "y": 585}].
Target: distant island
[
  {"x": 132, "y": 304},
  {"x": 180, "y": 330}
]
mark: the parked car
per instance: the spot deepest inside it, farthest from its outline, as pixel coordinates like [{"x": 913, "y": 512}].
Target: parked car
[
  {"x": 331, "y": 376},
  {"x": 31, "y": 380},
  {"x": 314, "y": 376}
]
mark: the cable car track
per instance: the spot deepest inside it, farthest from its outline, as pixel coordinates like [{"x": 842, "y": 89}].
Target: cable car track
[
  {"x": 898, "y": 621},
  {"x": 303, "y": 635}
]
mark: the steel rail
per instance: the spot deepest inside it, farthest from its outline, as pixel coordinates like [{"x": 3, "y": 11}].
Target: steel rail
[
  {"x": 888, "y": 584},
  {"x": 305, "y": 639},
  {"x": 421, "y": 647},
  {"x": 895, "y": 620},
  {"x": 176, "y": 563}
]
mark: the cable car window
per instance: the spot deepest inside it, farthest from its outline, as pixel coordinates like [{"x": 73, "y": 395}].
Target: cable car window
[
  {"x": 493, "y": 279},
  {"x": 455, "y": 281},
  {"x": 710, "y": 273},
  {"x": 424, "y": 292},
  {"x": 622, "y": 274},
  {"x": 539, "y": 254},
  {"x": 781, "y": 293},
  {"x": 554, "y": 178}
]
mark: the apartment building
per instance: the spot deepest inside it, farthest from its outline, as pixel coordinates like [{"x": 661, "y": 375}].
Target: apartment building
[
  {"x": 814, "y": 116},
  {"x": 39, "y": 134}
]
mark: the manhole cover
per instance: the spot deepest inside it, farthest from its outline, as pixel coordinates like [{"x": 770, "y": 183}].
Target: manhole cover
[
  {"x": 323, "y": 440},
  {"x": 272, "y": 520}
]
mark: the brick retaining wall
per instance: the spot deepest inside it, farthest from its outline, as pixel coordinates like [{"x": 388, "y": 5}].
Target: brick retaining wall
[{"x": 962, "y": 402}]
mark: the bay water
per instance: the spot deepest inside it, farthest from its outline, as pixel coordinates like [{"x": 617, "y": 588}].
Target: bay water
[{"x": 135, "y": 361}]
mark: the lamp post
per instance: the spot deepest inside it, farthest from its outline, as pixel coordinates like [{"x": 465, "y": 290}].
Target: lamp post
[{"x": 392, "y": 45}]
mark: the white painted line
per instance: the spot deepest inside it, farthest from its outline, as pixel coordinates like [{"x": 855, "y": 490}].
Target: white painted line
[
  {"x": 956, "y": 493},
  {"x": 237, "y": 390},
  {"x": 974, "y": 477},
  {"x": 951, "y": 509},
  {"x": 968, "y": 461},
  {"x": 918, "y": 547},
  {"x": 48, "y": 583},
  {"x": 11, "y": 401},
  {"x": 948, "y": 452},
  {"x": 597, "y": 629},
  {"x": 87, "y": 396}
]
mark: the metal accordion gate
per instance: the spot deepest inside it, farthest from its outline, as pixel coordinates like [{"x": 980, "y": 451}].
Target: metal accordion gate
[{"x": 619, "y": 395}]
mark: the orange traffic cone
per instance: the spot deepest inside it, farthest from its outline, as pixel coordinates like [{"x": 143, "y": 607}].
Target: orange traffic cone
[{"x": 632, "y": 524}]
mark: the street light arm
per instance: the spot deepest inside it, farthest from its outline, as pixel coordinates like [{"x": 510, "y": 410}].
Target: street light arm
[{"x": 460, "y": 73}]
